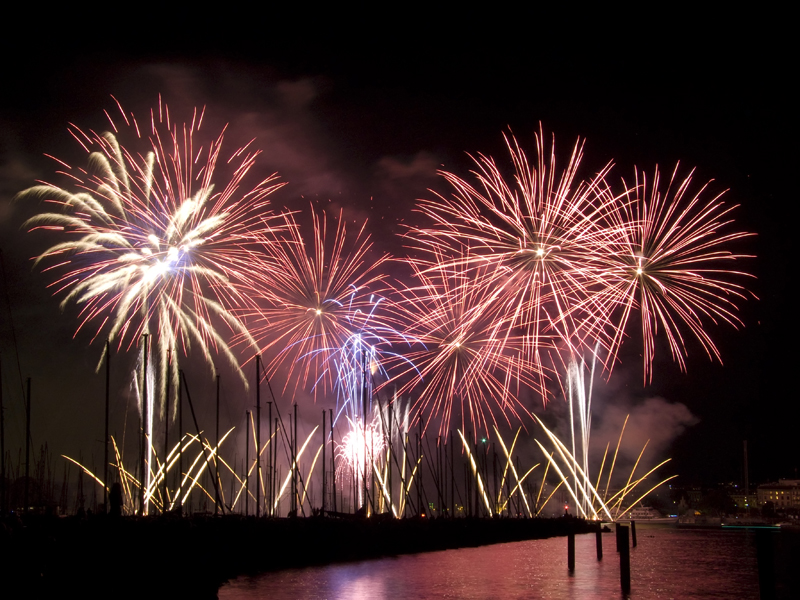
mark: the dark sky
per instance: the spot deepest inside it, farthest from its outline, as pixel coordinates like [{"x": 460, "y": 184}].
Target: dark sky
[{"x": 362, "y": 118}]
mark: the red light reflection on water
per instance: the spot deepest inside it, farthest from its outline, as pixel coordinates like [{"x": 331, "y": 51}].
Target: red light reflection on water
[{"x": 668, "y": 563}]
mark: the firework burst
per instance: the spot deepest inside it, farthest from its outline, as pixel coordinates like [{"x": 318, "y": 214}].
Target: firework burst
[
  {"x": 317, "y": 301},
  {"x": 670, "y": 264},
  {"x": 531, "y": 244},
  {"x": 154, "y": 247},
  {"x": 461, "y": 357}
]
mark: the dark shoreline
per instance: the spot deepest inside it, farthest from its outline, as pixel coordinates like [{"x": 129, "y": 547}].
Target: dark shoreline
[{"x": 192, "y": 557}]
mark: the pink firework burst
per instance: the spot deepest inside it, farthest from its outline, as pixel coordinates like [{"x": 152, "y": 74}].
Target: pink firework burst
[
  {"x": 532, "y": 242},
  {"x": 672, "y": 265}
]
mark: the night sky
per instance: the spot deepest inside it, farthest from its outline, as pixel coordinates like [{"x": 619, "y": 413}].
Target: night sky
[{"x": 361, "y": 120}]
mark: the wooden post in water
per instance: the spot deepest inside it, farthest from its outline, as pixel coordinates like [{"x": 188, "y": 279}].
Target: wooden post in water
[
  {"x": 571, "y": 551},
  {"x": 599, "y": 542},
  {"x": 765, "y": 555},
  {"x": 633, "y": 532},
  {"x": 618, "y": 534},
  {"x": 324, "y": 467},
  {"x": 624, "y": 559}
]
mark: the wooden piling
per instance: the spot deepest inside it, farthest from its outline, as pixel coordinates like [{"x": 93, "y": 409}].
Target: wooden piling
[
  {"x": 624, "y": 560},
  {"x": 571, "y": 551},
  {"x": 765, "y": 556},
  {"x": 633, "y": 532},
  {"x": 599, "y": 543}
]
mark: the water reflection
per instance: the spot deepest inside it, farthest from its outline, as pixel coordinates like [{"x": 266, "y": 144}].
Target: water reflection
[{"x": 668, "y": 563}]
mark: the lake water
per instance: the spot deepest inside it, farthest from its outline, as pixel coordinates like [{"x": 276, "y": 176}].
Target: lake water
[{"x": 667, "y": 563}]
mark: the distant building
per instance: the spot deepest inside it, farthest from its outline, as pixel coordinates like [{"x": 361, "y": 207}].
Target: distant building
[
  {"x": 784, "y": 494},
  {"x": 695, "y": 495},
  {"x": 743, "y": 501}
]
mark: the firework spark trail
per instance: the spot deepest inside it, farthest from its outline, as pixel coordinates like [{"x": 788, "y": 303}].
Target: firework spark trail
[
  {"x": 670, "y": 263},
  {"x": 579, "y": 395},
  {"x": 584, "y": 486},
  {"x": 460, "y": 357},
  {"x": 510, "y": 465},
  {"x": 294, "y": 465},
  {"x": 476, "y": 473},
  {"x": 586, "y": 496},
  {"x": 159, "y": 471},
  {"x": 152, "y": 246},
  {"x": 533, "y": 246}
]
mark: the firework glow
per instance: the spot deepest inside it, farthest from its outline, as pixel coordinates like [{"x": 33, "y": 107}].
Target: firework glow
[{"x": 360, "y": 447}]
